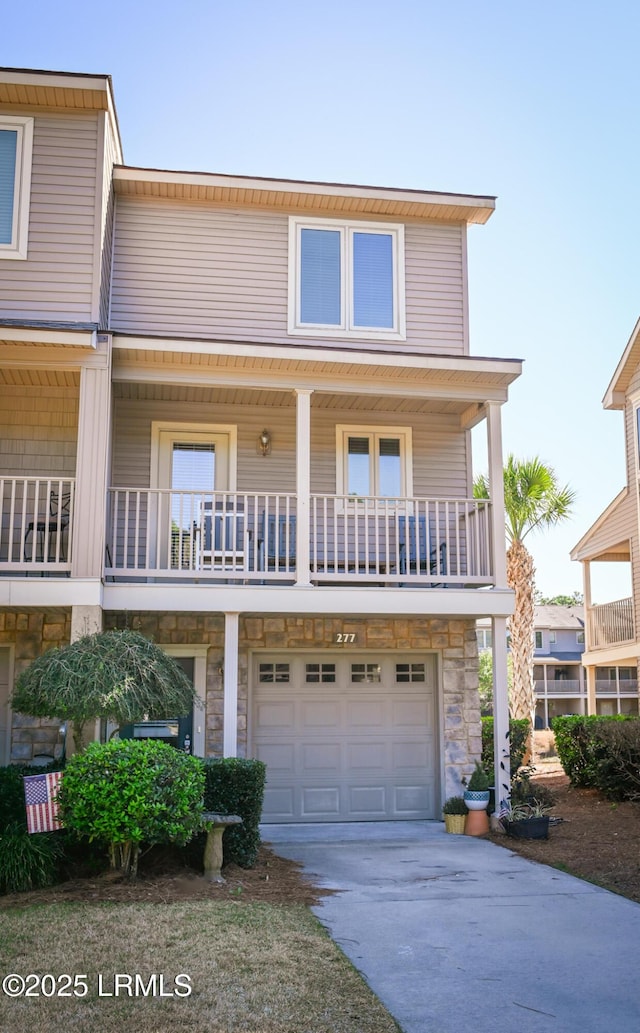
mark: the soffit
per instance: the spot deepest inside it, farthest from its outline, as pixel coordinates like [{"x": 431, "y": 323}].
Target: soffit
[
  {"x": 615, "y": 395},
  {"x": 54, "y": 89},
  {"x": 296, "y": 195},
  {"x": 476, "y": 379},
  {"x": 260, "y": 399},
  {"x": 39, "y": 378}
]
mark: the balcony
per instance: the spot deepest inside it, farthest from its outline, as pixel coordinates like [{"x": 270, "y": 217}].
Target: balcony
[
  {"x": 242, "y": 538},
  {"x": 36, "y": 517},
  {"x": 232, "y": 537},
  {"x": 610, "y": 624}
]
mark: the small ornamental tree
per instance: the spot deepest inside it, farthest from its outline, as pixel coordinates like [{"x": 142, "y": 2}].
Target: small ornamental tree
[
  {"x": 129, "y": 792},
  {"x": 119, "y": 675}
]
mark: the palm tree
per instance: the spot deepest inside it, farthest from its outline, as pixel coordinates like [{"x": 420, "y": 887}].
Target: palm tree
[{"x": 533, "y": 500}]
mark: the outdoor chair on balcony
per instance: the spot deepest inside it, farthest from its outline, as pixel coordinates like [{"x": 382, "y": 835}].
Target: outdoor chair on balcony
[
  {"x": 277, "y": 542},
  {"x": 223, "y": 540},
  {"x": 49, "y": 532},
  {"x": 413, "y": 548}
]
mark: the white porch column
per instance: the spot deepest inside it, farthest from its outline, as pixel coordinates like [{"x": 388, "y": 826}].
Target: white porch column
[
  {"x": 230, "y": 718},
  {"x": 590, "y": 671},
  {"x": 89, "y": 510},
  {"x": 501, "y": 739},
  {"x": 85, "y": 620},
  {"x": 303, "y": 486},
  {"x": 591, "y": 690},
  {"x": 496, "y": 490}
]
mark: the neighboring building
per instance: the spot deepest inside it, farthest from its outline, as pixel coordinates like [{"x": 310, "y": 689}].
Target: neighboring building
[
  {"x": 559, "y": 675},
  {"x": 611, "y": 631},
  {"x": 236, "y": 416}
]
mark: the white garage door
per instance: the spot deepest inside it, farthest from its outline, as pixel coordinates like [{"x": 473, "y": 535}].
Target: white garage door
[{"x": 346, "y": 737}]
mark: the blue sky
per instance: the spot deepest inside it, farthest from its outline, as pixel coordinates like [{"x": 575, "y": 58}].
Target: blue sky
[{"x": 537, "y": 104}]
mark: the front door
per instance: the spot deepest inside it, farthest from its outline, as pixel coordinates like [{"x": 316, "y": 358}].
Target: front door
[{"x": 193, "y": 464}]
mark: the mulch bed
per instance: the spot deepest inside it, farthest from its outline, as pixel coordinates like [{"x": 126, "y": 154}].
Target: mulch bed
[
  {"x": 162, "y": 879},
  {"x": 596, "y": 840}
]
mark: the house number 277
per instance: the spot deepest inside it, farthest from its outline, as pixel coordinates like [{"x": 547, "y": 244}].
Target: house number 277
[{"x": 345, "y": 638}]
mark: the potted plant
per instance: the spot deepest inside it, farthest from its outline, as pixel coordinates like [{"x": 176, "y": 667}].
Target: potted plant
[
  {"x": 454, "y": 811},
  {"x": 476, "y": 794},
  {"x": 526, "y": 820}
]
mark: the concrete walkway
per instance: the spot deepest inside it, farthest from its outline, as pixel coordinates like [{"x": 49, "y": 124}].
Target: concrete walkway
[{"x": 455, "y": 934}]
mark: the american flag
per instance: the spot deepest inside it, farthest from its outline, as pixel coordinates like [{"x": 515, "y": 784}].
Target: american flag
[{"x": 41, "y": 799}]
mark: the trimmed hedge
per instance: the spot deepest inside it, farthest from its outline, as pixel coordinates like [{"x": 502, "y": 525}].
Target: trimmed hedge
[
  {"x": 518, "y": 734},
  {"x": 234, "y": 785},
  {"x": 601, "y": 753},
  {"x": 128, "y": 792}
]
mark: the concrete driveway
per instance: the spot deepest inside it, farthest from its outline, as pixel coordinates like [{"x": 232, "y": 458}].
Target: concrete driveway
[{"x": 455, "y": 934}]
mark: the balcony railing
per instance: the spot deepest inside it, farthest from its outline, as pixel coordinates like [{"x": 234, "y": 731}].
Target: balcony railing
[
  {"x": 240, "y": 537},
  {"x": 559, "y": 686},
  {"x": 36, "y": 515},
  {"x": 611, "y": 624}
]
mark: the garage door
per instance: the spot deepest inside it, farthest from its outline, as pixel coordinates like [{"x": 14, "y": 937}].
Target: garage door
[{"x": 346, "y": 737}]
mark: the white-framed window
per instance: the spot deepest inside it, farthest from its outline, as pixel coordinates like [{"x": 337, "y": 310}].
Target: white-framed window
[
  {"x": 580, "y": 638},
  {"x": 16, "y": 145},
  {"x": 538, "y": 639},
  {"x": 374, "y": 461},
  {"x": 553, "y": 638},
  {"x": 484, "y": 637},
  {"x": 346, "y": 279}
]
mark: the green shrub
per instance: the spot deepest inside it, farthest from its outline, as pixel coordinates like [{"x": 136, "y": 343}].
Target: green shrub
[
  {"x": 27, "y": 861},
  {"x": 601, "y": 753},
  {"x": 454, "y": 805},
  {"x": 236, "y": 786},
  {"x": 127, "y": 792},
  {"x": 518, "y": 735},
  {"x": 578, "y": 747},
  {"x": 479, "y": 780}
]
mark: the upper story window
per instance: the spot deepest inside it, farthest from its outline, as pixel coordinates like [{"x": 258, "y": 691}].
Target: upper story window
[
  {"x": 16, "y": 143},
  {"x": 580, "y": 638},
  {"x": 538, "y": 637},
  {"x": 346, "y": 279}
]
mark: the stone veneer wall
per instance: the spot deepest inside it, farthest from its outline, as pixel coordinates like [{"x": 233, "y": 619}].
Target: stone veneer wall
[
  {"x": 30, "y": 634},
  {"x": 454, "y": 640}
]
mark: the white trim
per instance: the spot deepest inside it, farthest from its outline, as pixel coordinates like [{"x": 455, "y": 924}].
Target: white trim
[
  {"x": 195, "y": 431},
  {"x": 199, "y": 654},
  {"x": 347, "y": 328},
  {"x": 344, "y": 431},
  {"x": 17, "y": 248}
]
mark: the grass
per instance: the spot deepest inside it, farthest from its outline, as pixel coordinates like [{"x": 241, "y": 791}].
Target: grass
[{"x": 252, "y": 968}]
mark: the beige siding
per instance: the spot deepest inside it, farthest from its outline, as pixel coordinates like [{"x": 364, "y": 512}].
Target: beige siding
[
  {"x": 108, "y": 203},
  {"x": 439, "y": 447},
  {"x": 195, "y": 271},
  {"x": 619, "y": 527},
  {"x": 38, "y": 431},
  {"x": 55, "y": 281}
]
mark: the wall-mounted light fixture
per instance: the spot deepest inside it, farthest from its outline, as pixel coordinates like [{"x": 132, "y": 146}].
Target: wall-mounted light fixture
[{"x": 264, "y": 443}]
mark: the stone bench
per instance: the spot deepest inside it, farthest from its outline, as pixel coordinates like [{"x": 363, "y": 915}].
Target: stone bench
[{"x": 214, "y": 825}]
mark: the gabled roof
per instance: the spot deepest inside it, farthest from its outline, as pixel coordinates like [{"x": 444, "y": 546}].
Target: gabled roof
[
  {"x": 596, "y": 544},
  {"x": 76, "y": 91},
  {"x": 615, "y": 395}
]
